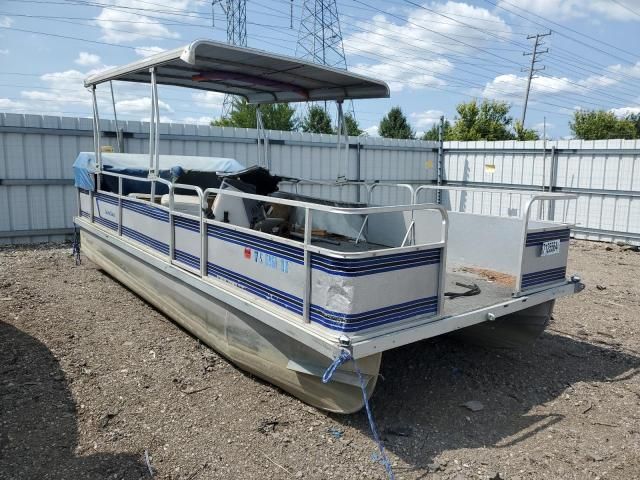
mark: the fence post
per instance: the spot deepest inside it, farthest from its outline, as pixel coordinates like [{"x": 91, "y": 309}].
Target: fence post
[
  {"x": 440, "y": 161},
  {"x": 553, "y": 179},
  {"x": 358, "y": 170}
]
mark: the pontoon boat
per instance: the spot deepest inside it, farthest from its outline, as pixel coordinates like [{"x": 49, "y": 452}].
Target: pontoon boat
[{"x": 281, "y": 282}]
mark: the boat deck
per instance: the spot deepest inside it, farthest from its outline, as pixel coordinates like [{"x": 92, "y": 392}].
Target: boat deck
[{"x": 491, "y": 292}]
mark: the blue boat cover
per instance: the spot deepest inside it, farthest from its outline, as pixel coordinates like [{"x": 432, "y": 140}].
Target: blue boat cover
[{"x": 137, "y": 165}]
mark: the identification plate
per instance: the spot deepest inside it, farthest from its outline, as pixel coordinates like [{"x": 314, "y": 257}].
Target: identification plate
[{"x": 551, "y": 247}]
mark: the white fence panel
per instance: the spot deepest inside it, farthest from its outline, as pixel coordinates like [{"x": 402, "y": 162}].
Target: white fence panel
[{"x": 605, "y": 174}]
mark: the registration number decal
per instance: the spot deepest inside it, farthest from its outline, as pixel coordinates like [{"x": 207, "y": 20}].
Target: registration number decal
[
  {"x": 271, "y": 261},
  {"x": 552, "y": 247}
]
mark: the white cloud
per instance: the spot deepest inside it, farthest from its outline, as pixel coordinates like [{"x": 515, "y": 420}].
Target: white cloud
[
  {"x": 139, "y": 105},
  {"x": 148, "y": 51},
  {"x": 631, "y": 70},
  {"x": 64, "y": 92},
  {"x": 114, "y": 28},
  {"x": 4, "y": 51},
  {"x": 209, "y": 100},
  {"x": 625, "y": 111},
  {"x": 425, "y": 120},
  {"x": 511, "y": 87},
  {"x": 400, "y": 75},
  {"x": 5, "y": 21},
  {"x": 372, "y": 131},
  {"x": 197, "y": 120},
  {"x": 412, "y": 54},
  {"x": 7, "y": 104},
  {"x": 566, "y": 9},
  {"x": 541, "y": 126},
  {"x": 86, "y": 59}
]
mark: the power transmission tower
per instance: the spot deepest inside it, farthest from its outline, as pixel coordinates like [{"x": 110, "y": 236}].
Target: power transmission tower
[
  {"x": 236, "y": 13},
  {"x": 532, "y": 69},
  {"x": 320, "y": 36}
]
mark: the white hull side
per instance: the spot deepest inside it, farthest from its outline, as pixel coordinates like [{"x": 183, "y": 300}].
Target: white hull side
[{"x": 246, "y": 341}]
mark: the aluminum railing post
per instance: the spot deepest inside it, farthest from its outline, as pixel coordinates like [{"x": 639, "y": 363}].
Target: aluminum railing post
[{"x": 306, "y": 307}]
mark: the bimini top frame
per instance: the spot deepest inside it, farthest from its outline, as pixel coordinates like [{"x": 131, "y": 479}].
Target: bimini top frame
[{"x": 258, "y": 76}]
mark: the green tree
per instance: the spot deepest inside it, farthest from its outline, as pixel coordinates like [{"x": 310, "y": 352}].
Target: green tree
[
  {"x": 275, "y": 116},
  {"x": 433, "y": 133},
  {"x": 317, "y": 120},
  {"x": 525, "y": 133},
  {"x": 600, "y": 124},
  {"x": 395, "y": 125},
  {"x": 635, "y": 118},
  {"x": 353, "y": 127},
  {"x": 488, "y": 120}
]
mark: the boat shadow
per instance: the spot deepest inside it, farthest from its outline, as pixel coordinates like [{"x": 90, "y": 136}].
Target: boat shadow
[
  {"x": 38, "y": 418},
  {"x": 418, "y": 401}
]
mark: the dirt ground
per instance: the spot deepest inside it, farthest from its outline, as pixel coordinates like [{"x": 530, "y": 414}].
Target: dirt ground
[{"x": 93, "y": 380}]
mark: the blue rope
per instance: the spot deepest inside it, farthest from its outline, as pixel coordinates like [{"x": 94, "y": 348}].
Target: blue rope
[
  {"x": 344, "y": 357},
  {"x": 76, "y": 246}
]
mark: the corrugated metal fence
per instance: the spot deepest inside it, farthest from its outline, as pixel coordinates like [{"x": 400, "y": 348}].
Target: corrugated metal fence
[
  {"x": 605, "y": 174},
  {"x": 37, "y": 199}
]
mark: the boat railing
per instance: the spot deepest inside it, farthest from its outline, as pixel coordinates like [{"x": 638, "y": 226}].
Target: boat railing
[
  {"x": 306, "y": 244},
  {"x": 172, "y": 231},
  {"x": 524, "y": 218}
]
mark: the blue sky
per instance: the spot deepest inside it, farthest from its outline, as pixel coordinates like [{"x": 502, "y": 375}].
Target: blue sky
[{"x": 433, "y": 54}]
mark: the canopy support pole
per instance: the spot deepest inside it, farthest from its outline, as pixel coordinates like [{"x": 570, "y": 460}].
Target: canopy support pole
[
  {"x": 115, "y": 117},
  {"x": 263, "y": 142},
  {"x": 343, "y": 150},
  {"x": 153, "y": 133},
  {"x": 96, "y": 134}
]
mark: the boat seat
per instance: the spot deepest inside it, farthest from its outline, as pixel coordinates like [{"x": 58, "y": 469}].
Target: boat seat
[{"x": 183, "y": 203}]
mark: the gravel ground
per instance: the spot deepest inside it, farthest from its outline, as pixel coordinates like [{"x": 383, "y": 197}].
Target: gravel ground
[{"x": 92, "y": 380}]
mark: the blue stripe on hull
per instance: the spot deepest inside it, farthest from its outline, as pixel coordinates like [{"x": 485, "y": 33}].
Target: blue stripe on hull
[
  {"x": 333, "y": 266},
  {"x": 293, "y": 254},
  {"x": 146, "y": 240},
  {"x": 106, "y": 198},
  {"x": 188, "y": 259},
  {"x": 330, "y": 319},
  {"x": 187, "y": 223},
  {"x": 543, "y": 276},
  {"x": 146, "y": 210},
  {"x": 344, "y": 267},
  {"x": 107, "y": 223}
]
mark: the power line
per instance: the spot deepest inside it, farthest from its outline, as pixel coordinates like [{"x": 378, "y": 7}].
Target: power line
[
  {"x": 625, "y": 7},
  {"x": 394, "y": 80},
  {"x": 205, "y": 27},
  {"x": 411, "y": 83},
  {"x": 75, "y": 38},
  {"x": 473, "y": 47},
  {"x": 569, "y": 37}
]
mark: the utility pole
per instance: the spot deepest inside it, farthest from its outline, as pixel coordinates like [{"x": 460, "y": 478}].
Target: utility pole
[
  {"x": 440, "y": 165},
  {"x": 532, "y": 69},
  {"x": 236, "y": 13}
]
